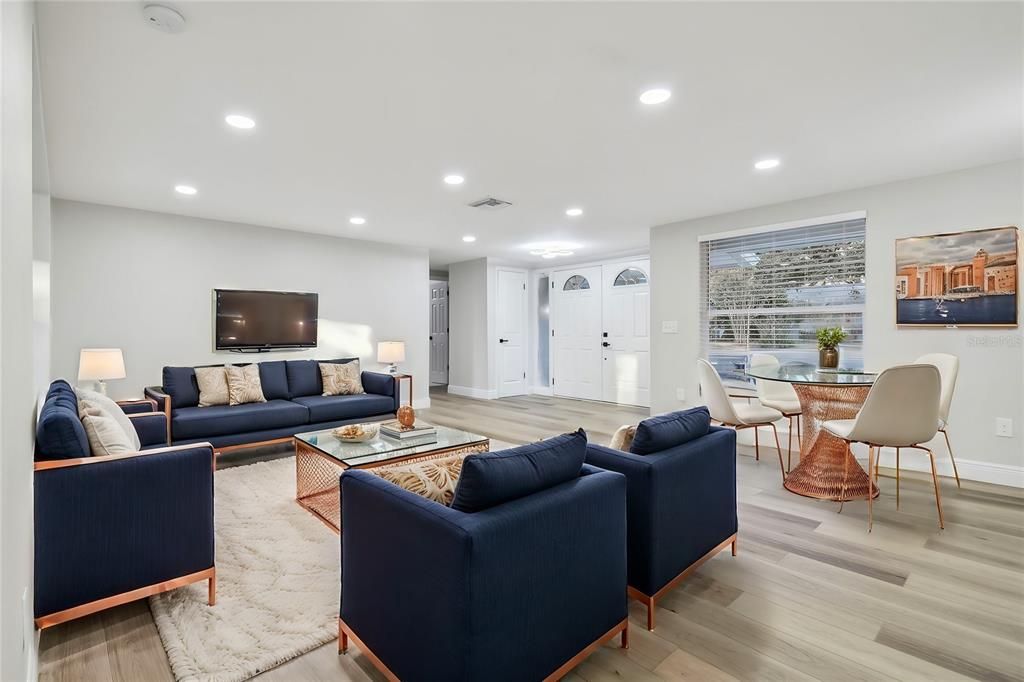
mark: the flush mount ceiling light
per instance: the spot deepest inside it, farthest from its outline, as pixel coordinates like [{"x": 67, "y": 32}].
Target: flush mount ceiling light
[
  {"x": 357, "y": 220},
  {"x": 551, "y": 250},
  {"x": 239, "y": 121},
  {"x": 573, "y": 212},
  {"x": 655, "y": 96},
  {"x": 766, "y": 164},
  {"x": 469, "y": 239},
  {"x": 187, "y": 190},
  {"x": 454, "y": 179}
]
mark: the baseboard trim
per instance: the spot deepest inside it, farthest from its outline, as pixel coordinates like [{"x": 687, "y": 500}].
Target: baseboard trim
[
  {"x": 541, "y": 390},
  {"x": 421, "y": 404},
  {"x": 969, "y": 469},
  {"x": 470, "y": 392}
]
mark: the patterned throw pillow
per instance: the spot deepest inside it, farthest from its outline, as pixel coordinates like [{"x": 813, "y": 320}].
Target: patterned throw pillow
[
  {"x": 244, "y": 385},
  {"x": 341, "y": 379},
  {"x": 213, "y": 386},
  {"x": 623, "y": 438},
  {"x": 91, "y": 400},
  {"x": 434, "y": 479},
  {"x": 106, "y": 437}
]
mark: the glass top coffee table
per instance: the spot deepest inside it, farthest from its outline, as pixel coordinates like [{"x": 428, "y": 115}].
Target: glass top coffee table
[{"x": 320, "y": 457}]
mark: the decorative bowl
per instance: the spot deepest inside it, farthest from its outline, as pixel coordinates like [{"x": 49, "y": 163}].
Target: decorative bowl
[{"x": 356, "y": 433}]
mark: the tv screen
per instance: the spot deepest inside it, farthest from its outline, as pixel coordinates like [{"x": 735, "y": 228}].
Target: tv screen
[{"x": 255, "y": 320}]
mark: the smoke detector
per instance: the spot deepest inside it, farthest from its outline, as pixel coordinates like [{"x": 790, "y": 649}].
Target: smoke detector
[
  {"x": 164, "y": 18},
  {"x": 491, "y": 203}
]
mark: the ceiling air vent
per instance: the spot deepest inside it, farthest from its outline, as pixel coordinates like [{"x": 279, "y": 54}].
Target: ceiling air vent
[{"x": 490, "y": 203}]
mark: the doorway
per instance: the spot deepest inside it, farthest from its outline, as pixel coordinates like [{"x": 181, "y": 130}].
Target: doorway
[
  {"x": 438, "y": 332},
  {"x": 511, "y": 330}
]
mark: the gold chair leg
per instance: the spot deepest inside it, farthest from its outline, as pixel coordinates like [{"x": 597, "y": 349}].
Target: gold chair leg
[
  {"x": 757, "y": 447},
  {"x": 871, "y": 466},
  {"x": 846, "y": 472},
  {"x": 935, "y": 482},
  {"x": 951, "y": 458},
  {"x": 778, "y": 448},
  {"x": 789, "y": 446},
  {"x": 897, "y": 478}
]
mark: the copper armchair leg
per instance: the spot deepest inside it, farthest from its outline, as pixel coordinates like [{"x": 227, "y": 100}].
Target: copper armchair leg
[
  {"x": 734, "y": 547},
  {"x": 625, "y": 636},
  {"x": 211, "y": 593},
  {"x": 342, "y": 639}
]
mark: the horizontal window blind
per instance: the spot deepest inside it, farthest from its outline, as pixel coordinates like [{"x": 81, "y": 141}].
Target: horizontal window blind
[{"x": 770, "y": 291}]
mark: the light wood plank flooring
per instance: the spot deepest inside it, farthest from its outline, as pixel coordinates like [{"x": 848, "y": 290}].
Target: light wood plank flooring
[{"x": 811, "y": 595}]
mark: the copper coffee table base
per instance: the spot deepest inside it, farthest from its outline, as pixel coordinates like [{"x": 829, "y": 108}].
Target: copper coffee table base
[{"x": 824, "y": 459}]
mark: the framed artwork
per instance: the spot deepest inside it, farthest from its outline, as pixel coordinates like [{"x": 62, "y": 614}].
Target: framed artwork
[{"x": 961, "y": 279}]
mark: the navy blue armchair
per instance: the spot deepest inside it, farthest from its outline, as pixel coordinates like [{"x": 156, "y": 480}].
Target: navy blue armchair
[
  {"x": 116, "y": 528},
  {"x": 520, "y": 591},
  {"x": 681, "y": 505}
]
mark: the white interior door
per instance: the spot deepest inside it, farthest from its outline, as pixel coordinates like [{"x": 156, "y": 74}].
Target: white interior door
[
  {"x": 438, "y": 332},
  {"x": 576, "y": 340},
  {"x": 511, "y": 330},
  {"x": 627, "y": 333}
]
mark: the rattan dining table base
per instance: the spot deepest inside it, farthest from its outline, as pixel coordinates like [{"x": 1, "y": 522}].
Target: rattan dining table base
[{"x": 824, "y": 459}]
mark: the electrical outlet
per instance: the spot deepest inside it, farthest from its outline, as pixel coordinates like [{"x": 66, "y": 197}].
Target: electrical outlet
[
  {"x": 670, "y": 326},
  {"x": 1004, "y": 427},
  {"x": 681, "y": 394}
]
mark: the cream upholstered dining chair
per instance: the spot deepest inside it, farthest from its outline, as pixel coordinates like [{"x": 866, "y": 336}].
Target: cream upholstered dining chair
[
  {"x": 901, "y": 411},
  {"x": 780, "y": 396},
  {"x": 737, "y": 415}
]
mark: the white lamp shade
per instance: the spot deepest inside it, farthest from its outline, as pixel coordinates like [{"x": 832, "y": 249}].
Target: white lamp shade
[
  {"x": 100, "y": 364},
  {"x": 391, "y": 351}
]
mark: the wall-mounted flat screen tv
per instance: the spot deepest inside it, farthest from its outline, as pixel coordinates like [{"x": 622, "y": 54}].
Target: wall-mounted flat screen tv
[{"x": 264, "y": 320}]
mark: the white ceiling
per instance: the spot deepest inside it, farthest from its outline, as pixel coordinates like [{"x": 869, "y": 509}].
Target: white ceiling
[{"x": 362, "y": 108}]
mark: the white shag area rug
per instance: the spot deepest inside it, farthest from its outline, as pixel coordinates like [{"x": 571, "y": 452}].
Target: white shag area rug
[{"x": 277, "y": 582}]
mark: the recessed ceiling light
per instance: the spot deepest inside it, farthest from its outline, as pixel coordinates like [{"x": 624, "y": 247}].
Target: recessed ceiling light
[
  {"x": 655, "y": 96},
  {"x": 357, "y": 220},
  {"x": 185, "y": 189},
  {"x": 239, "y": 121},
  {"x": 573, "y": 212},
  {"x": 454, "y": 179},
  {"x": 766, "y": 164},
  {"x": 469, "y": 238}
]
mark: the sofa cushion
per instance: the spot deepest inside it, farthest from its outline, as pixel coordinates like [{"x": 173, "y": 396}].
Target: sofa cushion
[
  {"x": 106, "y": 436},
  {"x": 59, "y": 431},
  {"x": 244, "y": 385},
  {"x": 92, "y": 400},
  {"x": 325, "y": 408},
  {"x": 274, "y": 379},
  {"x": 623, "y": 438},
  {"x": 669, "y": 430},
  {"x": 304, "y": 376},
  {"x": 493, "y": 478},
  {"x": 180, "y": 384},
  {"x": 213, "y": 386},
  {"x": 341, "y": 378},
  {"x": 434, "y": 479},
  {"x": 219, "y": 420}
]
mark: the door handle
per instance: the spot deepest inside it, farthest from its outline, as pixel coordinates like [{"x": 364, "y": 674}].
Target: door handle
[
  {"x": 431, "y": 337},
  {"x": 502, "y": 340},
  {"x": 605, "y": 344}
]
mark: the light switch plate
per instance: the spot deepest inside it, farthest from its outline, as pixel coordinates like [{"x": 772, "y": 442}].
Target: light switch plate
[
  {"x": 670, "y": 326},
  {"x": 1004, "y": 427}
]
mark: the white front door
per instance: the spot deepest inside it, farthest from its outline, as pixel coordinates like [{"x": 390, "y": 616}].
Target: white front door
[
  {"x": 511, "y": 330},
  {"x": 438, "y": 332},
  {"x": 576, "y": 333},
  {"x": 626, "y": 341}
]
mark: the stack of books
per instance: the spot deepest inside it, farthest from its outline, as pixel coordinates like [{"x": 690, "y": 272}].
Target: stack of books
[{"x": 392, "y": 429}]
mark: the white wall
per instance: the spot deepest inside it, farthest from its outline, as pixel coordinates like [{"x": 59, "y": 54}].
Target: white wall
[
  {"x": 991, "y": 381},
  {"x": 470, "y": 320},
  {"x": 17, "y": 391},
  {"x": 143, "y": 282}
]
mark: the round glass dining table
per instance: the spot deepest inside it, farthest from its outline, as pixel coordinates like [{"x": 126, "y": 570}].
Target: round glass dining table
[{"x": 824, "y": 459}]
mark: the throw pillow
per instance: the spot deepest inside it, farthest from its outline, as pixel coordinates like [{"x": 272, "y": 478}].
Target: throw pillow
[
  {"x": 106, "y": 437},
  {"x": 213, "y": 386},
  {"x": 623, "y": 438},
  {"x": 670, "y": 430},
  {"x": 244, "y": 385},
  {"x": 433, "y": 479},
  {"x": 494, "y": 478},
  {"x": 91, "y": 399},
  {"x": 341, "y": 379}
]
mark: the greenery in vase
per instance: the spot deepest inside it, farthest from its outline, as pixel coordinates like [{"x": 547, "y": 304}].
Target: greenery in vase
[{"x": 830, "y": 337}]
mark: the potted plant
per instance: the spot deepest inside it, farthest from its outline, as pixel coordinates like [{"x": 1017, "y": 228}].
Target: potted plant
[{"x": 829, "y": 339}]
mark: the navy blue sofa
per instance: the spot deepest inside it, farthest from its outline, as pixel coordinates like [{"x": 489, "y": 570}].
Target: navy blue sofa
[
  {"x": 681, "y": 503},
  {"x": 112, "y": 529},
  {"x": 521, "y": 590},
  {"x": 293, "y": 389}
]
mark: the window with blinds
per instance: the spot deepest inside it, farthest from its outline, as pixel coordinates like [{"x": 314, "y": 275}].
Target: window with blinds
[{"x": 770, "y": 291}]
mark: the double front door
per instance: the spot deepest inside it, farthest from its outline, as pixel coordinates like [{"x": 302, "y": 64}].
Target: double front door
[{"x": 601, "y": 340}]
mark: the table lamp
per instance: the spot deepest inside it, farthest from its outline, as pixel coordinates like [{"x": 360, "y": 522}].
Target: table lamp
[
  {"x": 100, "y": 364},
  {"x": 391, "y": 353}
]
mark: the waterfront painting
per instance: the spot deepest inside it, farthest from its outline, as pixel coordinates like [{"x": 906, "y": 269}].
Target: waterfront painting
[{"x": 959, "y": 279}]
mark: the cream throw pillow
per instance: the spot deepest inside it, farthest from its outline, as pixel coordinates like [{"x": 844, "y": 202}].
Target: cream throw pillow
[
  {"x": 623, "y": 438},
  {"x": 341, "y": 379},
  {"x": 434, "y": 479},
  {"x": 244, "y": 385},
  {"x": 92, "y": 400},
  {"x": 213, "y": 386},
  {"x": 106, "y": 437}
]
